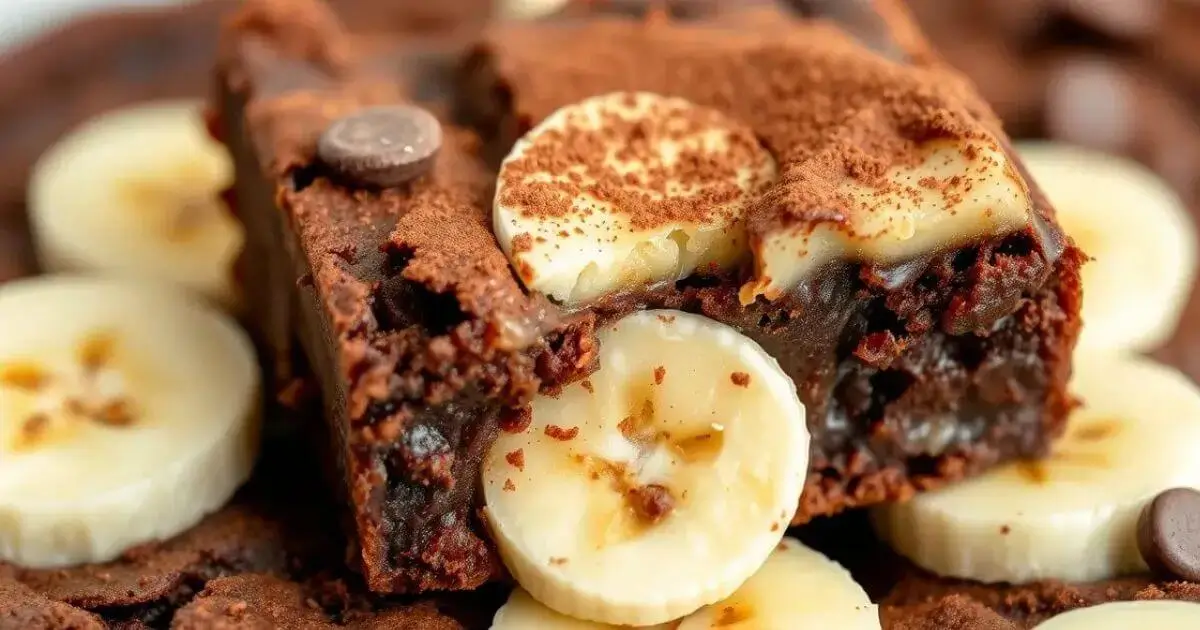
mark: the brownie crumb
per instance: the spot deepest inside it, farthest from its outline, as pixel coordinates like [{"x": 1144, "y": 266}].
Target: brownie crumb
[
  {"x": 660, "y": 373},
  {"x": 628, "y": 427},
  {"x": 587, "y": 384},
  {"x": 666, "y": 319},
  {"x": 741, "y": 379},
  {"x": 1004, "y": 530},
  {"x": 509, "y": 486},
  {"x": 516, "y": 459},
  {"x": 522, "y": 243},
  {"x": 651, "y": 503},
  {"x": 559, "y": 433},
  {"x": 516, "y": 420}
]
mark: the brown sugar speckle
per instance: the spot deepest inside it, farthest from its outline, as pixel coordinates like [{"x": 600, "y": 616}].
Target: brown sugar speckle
[
  {"x": 741, "y": 379},
  {"x": 23, "y": 376},
  {"x": 559, "y": 433},
  {"x": 651, "y": 503},
  {"x": 516, "y": 459}
]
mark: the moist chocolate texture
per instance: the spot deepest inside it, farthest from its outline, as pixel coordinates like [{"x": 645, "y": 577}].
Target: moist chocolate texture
[{"x": 400, "y": 303}]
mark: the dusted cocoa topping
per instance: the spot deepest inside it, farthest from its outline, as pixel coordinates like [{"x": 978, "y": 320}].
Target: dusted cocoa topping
[
  {"x": 814, "y": 100},
  {"x": 914, "y": 373},
  {"x": 586, "y": 143}
]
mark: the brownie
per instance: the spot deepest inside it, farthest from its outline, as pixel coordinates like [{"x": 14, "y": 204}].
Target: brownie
[{"x": 407, "y": 313}]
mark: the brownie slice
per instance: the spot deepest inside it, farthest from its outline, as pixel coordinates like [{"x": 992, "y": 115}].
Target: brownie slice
[{"x": 407, "y": 313}]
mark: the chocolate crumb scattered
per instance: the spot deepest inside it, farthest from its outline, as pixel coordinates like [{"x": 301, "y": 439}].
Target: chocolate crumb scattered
[
  {"x": 651, "y": 503},
  {"x": 522, "y": 243},
  {"x": 516, "y": 420},
  {"x": 666, "y": 319},
  {"x": 660, "y": 373},
  {"x": 559, "y": 433},
  {"x": 509, "y": 486},
  {"x": 741, "y": 379},
  {"x": 516, "y": 459},
  {"x": 587, "y": 384}
]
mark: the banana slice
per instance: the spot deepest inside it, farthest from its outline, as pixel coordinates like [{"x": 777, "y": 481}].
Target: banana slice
[
  {"x": 627, "y": 189},
  {"x": 531, "y": 9},
  {"x": 1074, "y": 515},
  {"x": 523, "y": 612},
  {"x": 135, "y": 193},
  {"x": 127, "y": 413},
  {"x": 659, "y": 484},
  {"x": 1140, "y": 234},
  {"x": 1158, "y": 615},
  {"x": 797, "y": 588}
]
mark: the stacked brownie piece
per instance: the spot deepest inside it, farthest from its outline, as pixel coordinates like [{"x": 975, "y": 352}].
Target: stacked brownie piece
[{"x": 923, "y": 349}]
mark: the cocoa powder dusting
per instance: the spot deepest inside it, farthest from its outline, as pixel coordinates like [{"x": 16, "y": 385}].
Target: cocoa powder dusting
[
  {"x": 828, "y": 108},
  {"x": 700, "y": 185}
]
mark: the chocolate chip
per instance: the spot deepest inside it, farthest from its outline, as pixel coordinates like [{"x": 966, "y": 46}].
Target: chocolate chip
[
  {"x": 1169, "y": 534},
  {"x": 382, "y": 146}
]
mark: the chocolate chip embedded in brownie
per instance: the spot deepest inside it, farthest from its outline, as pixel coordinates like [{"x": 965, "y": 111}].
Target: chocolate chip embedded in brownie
[{"x": 916, "y": 367}]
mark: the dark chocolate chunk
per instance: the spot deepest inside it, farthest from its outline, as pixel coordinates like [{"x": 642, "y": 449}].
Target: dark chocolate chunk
[
  {"x": 1169, "y": 534},
  {"x": 382, "y": 146}
]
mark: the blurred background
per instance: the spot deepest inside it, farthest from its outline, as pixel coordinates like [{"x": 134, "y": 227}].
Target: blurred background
[{"x": 1119, "y": 75}]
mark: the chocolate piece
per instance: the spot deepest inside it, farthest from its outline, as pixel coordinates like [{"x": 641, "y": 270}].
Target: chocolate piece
[
  {"x": 1168, "y": 534},
  {"x": 422, "y": 338},
  {"x": 382, "y": 146}
]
